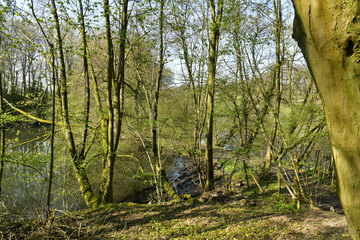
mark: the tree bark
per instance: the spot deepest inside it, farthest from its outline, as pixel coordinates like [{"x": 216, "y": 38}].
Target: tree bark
[
  {"x": 52, "y": 139},
  {"x": 162, "y": 181},
  {"x": 2, "y": 132},
  {"x": 2, "y": 127},
  {"x": 278, "y": 85},
  {"x": 105, "y": 190},
  {"x": 216, "y": 18},
  {"x": 327, "y": 32},
  {"x": 112, "y": 123}
]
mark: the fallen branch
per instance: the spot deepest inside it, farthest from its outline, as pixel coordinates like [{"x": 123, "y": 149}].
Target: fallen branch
[{"x": 28, "y": 115}]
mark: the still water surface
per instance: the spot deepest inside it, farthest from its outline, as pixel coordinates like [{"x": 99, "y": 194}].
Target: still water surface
[{"x": 26, "y": 174}]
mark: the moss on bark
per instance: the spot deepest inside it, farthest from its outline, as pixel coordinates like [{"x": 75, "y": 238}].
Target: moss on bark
[{"x": 328, "y": 34}]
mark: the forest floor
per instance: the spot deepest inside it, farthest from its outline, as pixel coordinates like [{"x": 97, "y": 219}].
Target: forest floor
[{"x": 245, "y": 215}]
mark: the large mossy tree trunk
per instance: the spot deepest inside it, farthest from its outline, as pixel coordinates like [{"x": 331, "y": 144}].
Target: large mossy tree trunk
[{"x": 328, "y": 33}]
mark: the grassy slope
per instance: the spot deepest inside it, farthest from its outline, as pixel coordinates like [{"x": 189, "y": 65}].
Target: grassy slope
[{"x": 246, "y": 216}]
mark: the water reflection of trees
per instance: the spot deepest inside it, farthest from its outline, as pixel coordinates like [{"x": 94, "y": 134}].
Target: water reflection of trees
[{"x": 26, "y": 174}]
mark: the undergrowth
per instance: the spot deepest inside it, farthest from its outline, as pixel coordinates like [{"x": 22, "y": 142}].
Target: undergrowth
[{"x": 246, "y": 215}]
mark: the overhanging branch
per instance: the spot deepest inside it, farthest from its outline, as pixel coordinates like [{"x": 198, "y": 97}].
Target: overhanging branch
[{"x": 28, "y": 115}]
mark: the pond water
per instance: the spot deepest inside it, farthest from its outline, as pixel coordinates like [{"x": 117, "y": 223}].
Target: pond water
[
  {"x": 31, "y": 140},
  {"x": 25, "y": 181}
]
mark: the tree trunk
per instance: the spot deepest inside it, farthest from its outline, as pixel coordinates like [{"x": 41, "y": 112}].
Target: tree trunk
[
  {"x": 160, "y": 171},
  {"x": 112, "y": 123},
  {"x": 2, "y": 127},
  {"x": 85, "y": 187},
  {"x": 105, "y": 190},
  {"x": 277, "y": 78},
  {"x": 216, "y": 18},
  {"x": 52, "y": 139},
  {"x": 2, "y": 133},
  {"x": 328, "y": 34}
]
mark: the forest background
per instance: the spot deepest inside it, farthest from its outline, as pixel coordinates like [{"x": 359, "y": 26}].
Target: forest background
[{"x": 120, "y": 91}]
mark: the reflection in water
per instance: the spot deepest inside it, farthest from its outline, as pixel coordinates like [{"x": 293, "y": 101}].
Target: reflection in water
[
  {"x": 28, "y": 140},
  {"x": 26, "y": 173},
  {"x": 26, "y": 167},
  {"x": 183, "y": 177},
  {"x": 176, "y": 171}
]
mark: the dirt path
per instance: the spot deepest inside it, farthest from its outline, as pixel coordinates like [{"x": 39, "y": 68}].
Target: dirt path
[{"x": 315, "y": 222}]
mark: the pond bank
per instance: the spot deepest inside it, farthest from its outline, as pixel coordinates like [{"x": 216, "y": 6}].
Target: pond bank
[{"x": 272, "y": 217}]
